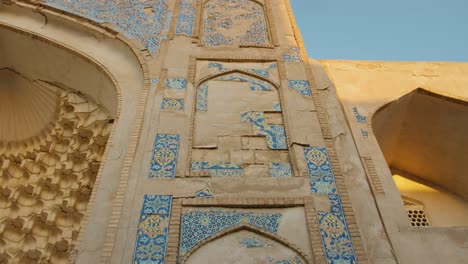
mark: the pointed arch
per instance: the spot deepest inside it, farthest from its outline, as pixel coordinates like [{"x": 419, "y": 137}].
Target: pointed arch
[
  {"x": 253, "y": 229},
  {"x": 234, "y": 71}
]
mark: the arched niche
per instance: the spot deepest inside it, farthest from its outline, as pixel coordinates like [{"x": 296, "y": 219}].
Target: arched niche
[
  {"x": 423, "y": 138},
  {"x": 244, "y": 244},
  {"x": 234, "y": 23},
  {"x": 236, "y": 114}
]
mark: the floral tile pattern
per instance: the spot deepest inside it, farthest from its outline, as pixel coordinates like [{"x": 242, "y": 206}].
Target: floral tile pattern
[
  {"x": 234, "y": 23},
  {"x": 334, "y": 231},
  {"x": 186, "y": 18},
  {"x": 151, "y": 242},
  {"x": 129, "y": 17},
  {"x": 176, "y": 83},
  {"x": 301, "y": 86},
  {"x": 292, "y": 55},
  {"x": 275, "y": 134},
  {"x": 164, "y": 157},
  {"x": 280, "y": 170},
  {"x": 199, "y": 225},
  {"x": 172, "y": 104},
  {"x": 216, "y": 169}
]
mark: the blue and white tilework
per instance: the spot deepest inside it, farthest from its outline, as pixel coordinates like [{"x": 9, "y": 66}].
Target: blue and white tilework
[
  {"x": 280, "y": 170},
  {"x": 176, "y": 83},
  {"x": 199, "y": 225},
  {"x": 164, "y": 156},
  {"x": 151, "y": 242},
  {"x": 129, "y": 17},
  {"x": 154, "y": 81},
  {"x": 265, "y": 72},
  {"x": 295, "y": 260},
  {"x": 216, "y": 169},
  {"x": 254, "y": 242},
  {"x": 275, "y": 134},
  {"x": 292, "y": 55},
  {"x": 202, "y": 97},
  {"x": 365, "y": 133},
  {"x": 334, "y": 231},
  {"x": 360, "y": 118},
  {"x": 186, "y": 18},
  {"x": 301, "y": 86},
  {"x": 206, "y": 192},
  {"x": 277, "y": 106},
  {"x": 255, "y": 83},
  {"x": 172, "y": 104},
  {"x": 234, "y": 22}
]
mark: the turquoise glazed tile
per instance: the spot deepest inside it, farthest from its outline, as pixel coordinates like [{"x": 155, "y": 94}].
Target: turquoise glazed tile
[
  {"x": 302, "y": 86},
  {"x": 224, "y": 23},
  {"x": 254, "y": 242},
  {"x": 216, "y": 169},
  {"x": 280, "y": 170},
  {"x": 199, "y": 225},
  {"x": 164, "y": 157},
  {"x": 334, "y": 231},
  {"x": 205, "y": 193},
  {"x": 172, "y": 104},
  {"x": 360, "y": 118},
  {"x": 176, "y": 83},
  {"x": 129, "y": 17},
  {"x": 202, "y": 97},
  {"x": 186, "y": 18},
  {"x": 292, "y": 55},
  {"x": 151, "y": 242},
  {"x": 275, "y": 134}
]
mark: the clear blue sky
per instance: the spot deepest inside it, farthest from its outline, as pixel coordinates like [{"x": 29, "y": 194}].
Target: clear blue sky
[{"x": 408, "y": 30}]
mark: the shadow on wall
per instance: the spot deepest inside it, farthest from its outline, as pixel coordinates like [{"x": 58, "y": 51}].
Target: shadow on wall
[{"x": 423, "y": 138}]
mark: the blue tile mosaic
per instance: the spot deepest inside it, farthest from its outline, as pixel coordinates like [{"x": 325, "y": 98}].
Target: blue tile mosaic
[
  {"x": 280, "y": 170},
  {"x": 277, "y": 106},
  {"x": 172, "y": 104},
  {"x": 202, "y": 97},
  {"x": 255, "y": 84},
  {"x": 360, "y": 118},
  {"x": 254, "y": 242},
  {"x": 365, "y": 133},
  {"x": 275, "y": 134},
  {"x": 335, "y": 239},
  {"x": 129, "y": 17},
  {"x": 164, "y": 157},
  {"x": 234, "y": 22},
  {"x": 295, "y": 260},
  {"x": 292, "y": 55},
  {"x": 186, "y": 18},
  {"x": 199, "y": 225},
  {"x": 176, "y": 83},
  {"x": 334, "y": 231},
  {"x": 216, "y": 169},
  {"x": 151, "y": 242},
  {"x": 301, "y": 86},
  {"x": 154, "y": 81},
  {"x": 205, "y": 193}
]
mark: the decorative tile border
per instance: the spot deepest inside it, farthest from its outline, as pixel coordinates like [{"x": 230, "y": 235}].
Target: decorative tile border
[
  {"x": 128, "y": 17},
  {"x": 219, "y": 14},
  {"x": 216, "y": 169},
  {"x": 176, "y": 83},
  {"x": 334, "y": 231},
  {"x": 172, "y": 104},
  {"x": 292, "y": 55},
  {"x": 202, "y": 97},
  {"x": 196, "y": 226},
  {"x": 280, "y": 170},
  {"x": 164, "y": 157},
  {"x": 275, "y": 134},
  {"x": 153, "y": 229},
  {"x": 301, "y": 86},
  {"x": 186, "y": 18}
]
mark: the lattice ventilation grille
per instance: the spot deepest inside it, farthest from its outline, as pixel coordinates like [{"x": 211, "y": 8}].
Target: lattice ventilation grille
[{"x": 416, "y": 214}]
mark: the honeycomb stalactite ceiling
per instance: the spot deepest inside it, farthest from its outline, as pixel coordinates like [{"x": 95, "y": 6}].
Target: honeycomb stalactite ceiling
[
  {"x": 28, "y": 108},
  {"x": 46, "y": 183}
]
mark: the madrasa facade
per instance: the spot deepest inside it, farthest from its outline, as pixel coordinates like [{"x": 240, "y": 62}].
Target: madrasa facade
[{"x": 199, "y": 131}]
